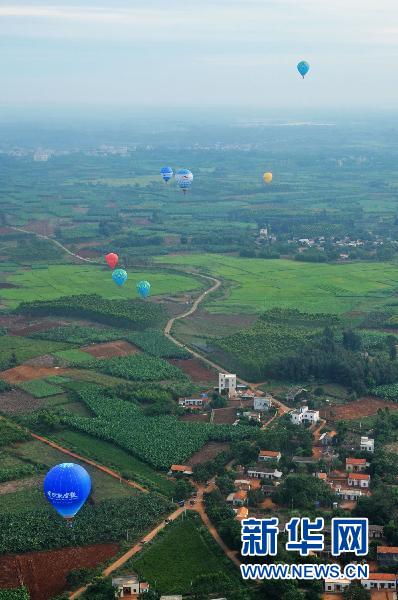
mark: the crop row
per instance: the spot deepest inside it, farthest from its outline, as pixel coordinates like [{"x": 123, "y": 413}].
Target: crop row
[
  {"x": 136, "y": 367},
  {"x": 10, "y": 433},
  {"x": 75, "y": 334},
  {"x": 388, "y": 391},
  {"x": 135, "y": 314},
  {"x": 104, "y": 522},
  {"x": 160, "y": 441},
  {"x": 155, "y": 343},
  {"x": 39, "y": 388}
]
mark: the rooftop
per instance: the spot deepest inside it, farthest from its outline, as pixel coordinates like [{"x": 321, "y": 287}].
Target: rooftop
[
  {"x": 355, "y": 461},
  {"x": 270, "y": 453},
  {"x": 382, "y": 576},
  {"x": 181, "y": 468},
  {"x": 358, "y": 476},
  {"x": 387, "y": 549}
]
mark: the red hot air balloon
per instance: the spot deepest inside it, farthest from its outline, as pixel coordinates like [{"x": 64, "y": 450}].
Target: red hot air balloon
[{"x": 112, "y": 260}]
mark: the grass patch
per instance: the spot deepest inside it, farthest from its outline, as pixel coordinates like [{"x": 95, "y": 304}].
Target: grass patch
[
  {"x": 74, "y": 356},
  {"x": 65, "y": 280},
  {"x": 25, "y": 348},
  {"x": 257, "y": 285},
  {"x": 111, "y": 456},
  {"x": 39, "y": 388}
]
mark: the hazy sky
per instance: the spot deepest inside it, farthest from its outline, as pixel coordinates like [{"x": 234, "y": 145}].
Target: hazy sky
[{"x": 199, "y": 53}]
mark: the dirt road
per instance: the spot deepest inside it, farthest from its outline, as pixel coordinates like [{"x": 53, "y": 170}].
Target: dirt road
[{"x": 91, "y": 463}]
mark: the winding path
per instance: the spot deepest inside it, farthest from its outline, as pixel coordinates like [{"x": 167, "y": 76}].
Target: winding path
[{"x": 199, "y": 506}]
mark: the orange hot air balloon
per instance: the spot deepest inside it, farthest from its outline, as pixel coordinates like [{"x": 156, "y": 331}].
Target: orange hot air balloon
[
  {"x": 267, "y": 177},
  {"x": 112, "y": 259}
]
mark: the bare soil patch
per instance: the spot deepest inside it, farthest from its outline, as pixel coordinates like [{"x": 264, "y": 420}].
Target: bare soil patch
[
  {"x": 28, "y": 372},
  {"x": 110, "y": 349},
  {"x": 208, "y": 452},
  {"x": 17, "y": 402},
  {"x": 225, "y": 415},
  {"x": 18, "y": 485},
  {"x": 196, "y": 370},
  {"x": 196, "y": 418},
  {"x": 363, "y": 407},
  {"x": 46, "y": 360},
  {"x": 26, "y": 327},
  {"x": 44, "y": 573}
]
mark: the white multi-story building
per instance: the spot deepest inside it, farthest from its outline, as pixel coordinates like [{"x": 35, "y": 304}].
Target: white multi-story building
[
  {"x": 227, "y": 382},
  {"x": 303, "y": 414},
  {"x": 367, "y": 444}
]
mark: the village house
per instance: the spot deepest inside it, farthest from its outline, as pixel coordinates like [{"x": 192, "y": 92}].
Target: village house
[
  {"x": 367, "y": 444},
  {"x": 262, "y": 403},
  {"x": 355, "y": 465},
  {"x": 336, "y": 585},
  {"x": 180, "y": 470},
  {"x": 387, "y": 555},
  {"x": 247, "y": 484},
  {"x": 193, "y": 402},
  {"x": 305, "y": 460},
  {"x": 129, "y": 586},
  {"x": 261, "y": 472},
  {"x": 359, "y": 480},
  {"x": 295, "y": 393},
  {"x": 350, "y": 494},
  {"x": 380, "y": 581},
  {"x": 238, "y": 498},
  {"x": 326, "y": 438},
  {"x": 322, "y": 476},
  {"x": 247, "y": 395},
  {"x": 227, "y": 383},
  {"x": 252, "y": 416},
  {"x": 241, "y": 513},
  {"x": 375, "y": 532},
  {"x": 304, "y": 415},
  {"x": 266, "y": 455}
]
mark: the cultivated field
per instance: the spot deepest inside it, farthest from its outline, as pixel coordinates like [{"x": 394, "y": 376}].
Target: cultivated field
[
  {"x": 43, "y": 582},
  {"x": 63, "y": 280},
  {"x": 28, "y": 372},
  {"x": 110, "y": 349},
  {"x": 257, "y": 285},
  {"x": 364, "y": 407},
  {"x": 196, "y": 370}
]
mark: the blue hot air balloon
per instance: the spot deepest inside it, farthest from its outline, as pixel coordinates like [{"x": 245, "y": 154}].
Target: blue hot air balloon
[
  {"x": 119, "y": 276},
  {"x": 143, "y": 288},
  {"x": 303, "y": 67},
  {"x": 184, "y": 179},
  {"x": 166, "y": 173},
  {"x": 67, "y": 487}
]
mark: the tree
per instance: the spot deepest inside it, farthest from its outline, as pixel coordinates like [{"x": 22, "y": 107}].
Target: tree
[
  {"x": 356, "y": 592},
  {"x": 100, "y": 589},
  {"x": 183, "y": 489},
  {"x": 351, "y": 340},
  {"x": 149, "y": 595},
  {"x": 13, "y": 360},
  {"x": 293, "y": 594}
]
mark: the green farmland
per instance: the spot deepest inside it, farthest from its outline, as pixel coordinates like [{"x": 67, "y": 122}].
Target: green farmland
[
  {"x": 256, "y": 285},
  {"x": 65, "y": 280}
]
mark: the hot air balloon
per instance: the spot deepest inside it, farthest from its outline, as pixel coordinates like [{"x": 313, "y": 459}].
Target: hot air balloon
[
  {"x": 112, "y": 259},
  {"x": 119, "y": 276},
  {"x": 143, "y": 288},
  {"x": 303, "y": 67},
  {"x": 184, "y": 179},
  {"x": 166, "y": 173},
  {"x": 267, "y": 177},
  {"x": 67, "y": 487}
]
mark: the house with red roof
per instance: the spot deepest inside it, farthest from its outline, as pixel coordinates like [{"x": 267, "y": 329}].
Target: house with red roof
[
  {"x": 361, "y": 480},
  {"x": 355, "y": 465}
]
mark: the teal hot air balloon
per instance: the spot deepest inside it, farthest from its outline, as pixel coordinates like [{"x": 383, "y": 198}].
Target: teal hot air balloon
[
  {"x": 303, "y": 67},
  {"x": 143, "y": 288},
  {"x": 119, "y": 276}
]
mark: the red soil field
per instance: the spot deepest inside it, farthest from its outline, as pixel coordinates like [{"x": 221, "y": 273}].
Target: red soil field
[
  {"x": 195, "y": 369},
  {"x": 27, "y": 372},
  {"x": 363, "y": 407},
  {"x": 208, "y": 452},
  {"x": 44, "y": 573},
  {"x": 109, "y": 349},
  {"x": 225, "y": 415}
]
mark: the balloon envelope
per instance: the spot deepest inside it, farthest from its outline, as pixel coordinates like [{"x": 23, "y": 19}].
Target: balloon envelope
[
  {"x": 119, "y": 276},
  {"x": 267, "y": 177},
  {"x": 67, "y": 487},
  {"x": 166, "y": 173},
  {"x": 143, "y": 288},
  {"x": 112, "y": 259},
  {"x": 303, "y": 67},
  {"x": 184, "y": 178}
]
